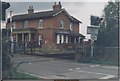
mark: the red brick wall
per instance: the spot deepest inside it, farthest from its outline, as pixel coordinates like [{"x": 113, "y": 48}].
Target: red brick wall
[
  {"x": 33, "y": 23},
  {"x": 61, "y": 16},
  {"x": 48, "y": 36},
  {"x": 76, "y": 27},
  {"x": 19, "y": 24},
  {"x": 49, "y": 23}
]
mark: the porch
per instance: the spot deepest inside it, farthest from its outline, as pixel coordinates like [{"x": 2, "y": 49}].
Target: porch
[
  {"x": 23, "y": 35},
  {"x": 67, "y": 38}
]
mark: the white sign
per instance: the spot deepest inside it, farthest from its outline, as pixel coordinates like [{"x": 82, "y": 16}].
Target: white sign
[
  {"x": 93, "y": 37},
  {"x": 92, "y": 30}
]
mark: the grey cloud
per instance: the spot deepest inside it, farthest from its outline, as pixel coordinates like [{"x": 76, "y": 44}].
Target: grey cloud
[{"x": 21, "y": 7}]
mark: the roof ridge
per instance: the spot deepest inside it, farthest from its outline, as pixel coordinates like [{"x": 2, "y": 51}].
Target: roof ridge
[
  {"x": 43, "y": 14},
  {"x": 38, "y": 12},
  {"x": 46, "y": 11}
]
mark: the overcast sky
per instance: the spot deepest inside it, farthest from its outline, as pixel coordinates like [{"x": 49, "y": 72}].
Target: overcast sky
[{"x": 80, "y": 10}]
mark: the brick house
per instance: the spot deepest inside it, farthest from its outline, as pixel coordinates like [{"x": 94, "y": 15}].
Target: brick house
[{"x": 53, "y": 27}]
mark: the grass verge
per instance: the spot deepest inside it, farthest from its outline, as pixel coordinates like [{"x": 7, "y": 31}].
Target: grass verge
[
  {"x": 20, "y": 75},
  {"x": 55, "y": 51},
  {"x": 102, "y": 62}
]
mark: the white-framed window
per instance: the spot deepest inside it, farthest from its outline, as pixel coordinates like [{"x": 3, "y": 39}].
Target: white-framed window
[
  {"x": 79, "y": 40},
  {"x": 14, "y": 25},
  {"x": 59, "y": 39},
  {"x": 61, "y": 24},
  {"x": 40, "y": 38},
  {"x": 40, "y": 24},
  {"x": 26, "y": 24},
  {"x": 71, "y": 26},
  {"x": 65, "y": 39},
  {"x": 75, "y": 40},
  {"x": 62, "y": 39}
]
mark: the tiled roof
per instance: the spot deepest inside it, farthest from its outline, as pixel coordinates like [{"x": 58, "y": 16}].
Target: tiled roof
[
  {"x": 68, "y": 32},
  {"x": 44, "y": 14},
  {"x": 75, "y": 20},
  {"x": 38, "y": 15}
]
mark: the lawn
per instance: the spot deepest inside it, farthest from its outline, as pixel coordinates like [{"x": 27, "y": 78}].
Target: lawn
[
  {"x": 102, "y": 62},
  {"x": 21, "y": 75},
  {"x": 51, "y": 51}
]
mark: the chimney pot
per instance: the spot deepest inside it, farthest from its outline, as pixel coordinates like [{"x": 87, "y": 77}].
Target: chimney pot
[
  {"x": 30, "y": 10},
  {"x": 57, "y": 6}
]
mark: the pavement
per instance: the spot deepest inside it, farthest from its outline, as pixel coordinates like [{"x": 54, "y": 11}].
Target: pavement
[
  {"x": 50, "y": 68},
  {"x": 60, "y": 80}
]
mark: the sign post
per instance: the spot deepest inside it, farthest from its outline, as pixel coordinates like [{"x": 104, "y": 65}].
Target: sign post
[{"x": 93, "y": 31}]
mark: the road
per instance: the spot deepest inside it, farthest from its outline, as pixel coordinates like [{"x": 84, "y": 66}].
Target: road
[{"x": 50, "y": 68}]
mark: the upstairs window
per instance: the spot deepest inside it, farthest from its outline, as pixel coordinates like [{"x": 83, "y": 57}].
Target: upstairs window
[
  {"x": 40, "y": 25},
  {"x": 26, "y": 24},
  {"x": 61, "y": 24},
  {"x": 71, "y": 26}
]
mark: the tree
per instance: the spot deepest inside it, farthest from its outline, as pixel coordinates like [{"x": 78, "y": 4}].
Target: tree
[{"x": 108, "y": 31}]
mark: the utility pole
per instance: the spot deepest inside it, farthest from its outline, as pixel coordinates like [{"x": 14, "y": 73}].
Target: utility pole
[{"x": 11, "y": 37}]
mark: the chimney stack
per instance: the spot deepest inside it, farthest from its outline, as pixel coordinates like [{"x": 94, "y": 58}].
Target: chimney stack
[
  {"x": 57, "y": 6},
  {"x": 30, "y": 10}
]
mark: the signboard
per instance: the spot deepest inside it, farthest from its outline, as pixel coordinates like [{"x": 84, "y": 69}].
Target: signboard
[
  {"x": 95, "y": 20},
  {"x": 93, "y": 37},
  {"x": 92, "y": 30}
]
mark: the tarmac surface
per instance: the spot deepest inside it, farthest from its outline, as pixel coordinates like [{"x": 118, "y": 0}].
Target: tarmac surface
[{"x": 51, "y": 68}]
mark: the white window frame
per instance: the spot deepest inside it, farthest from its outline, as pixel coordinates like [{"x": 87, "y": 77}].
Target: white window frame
[
  {"x": 66, "y": 39},
  {"x": 75, "y": 40},
  {"x": 40, "y": 23},
  {"x": 62, "y": 39},
  {"x": 40, "y": 37},
  {"x": 58, "y": 39},
  {"x": 79, "y": 39},
  {"x": 26, "y": 24},
  {"x": 61, "y": 23},
  {"x": 71, "y": 26}
]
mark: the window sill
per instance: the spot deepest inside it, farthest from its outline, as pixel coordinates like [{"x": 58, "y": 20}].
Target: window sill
[{"x": 39, "y": 27}]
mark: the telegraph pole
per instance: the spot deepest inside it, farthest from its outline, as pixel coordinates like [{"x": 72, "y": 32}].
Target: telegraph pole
[{"x": 11, "y": 37}]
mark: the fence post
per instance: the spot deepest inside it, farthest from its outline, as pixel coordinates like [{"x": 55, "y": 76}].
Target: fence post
[{"x": 31, "y": 46}]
